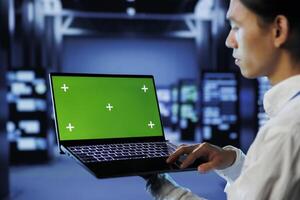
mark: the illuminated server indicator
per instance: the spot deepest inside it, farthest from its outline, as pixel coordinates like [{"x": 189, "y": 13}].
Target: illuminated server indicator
[
  {"x": 263, "y": 86},
  {"x": 220, "y": 108}
]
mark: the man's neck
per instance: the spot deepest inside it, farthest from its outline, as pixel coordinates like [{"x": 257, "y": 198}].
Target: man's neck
[{"x": 286, "y": 68}]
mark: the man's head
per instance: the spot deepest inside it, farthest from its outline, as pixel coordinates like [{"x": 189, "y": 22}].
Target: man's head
[{"x": 264, "y": 35}]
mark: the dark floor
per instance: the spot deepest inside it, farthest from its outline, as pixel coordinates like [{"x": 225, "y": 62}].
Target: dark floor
[{"x": 63, "y": 178}]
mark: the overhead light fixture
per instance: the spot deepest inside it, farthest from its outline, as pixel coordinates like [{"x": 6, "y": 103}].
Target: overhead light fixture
[{"x": 131, "y": 11}]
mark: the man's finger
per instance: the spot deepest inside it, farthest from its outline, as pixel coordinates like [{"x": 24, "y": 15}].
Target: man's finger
[
  {"x": 196, "y": 153},
  {"x": 183, "y": 149},
  {"x": 206, "y": 167}
]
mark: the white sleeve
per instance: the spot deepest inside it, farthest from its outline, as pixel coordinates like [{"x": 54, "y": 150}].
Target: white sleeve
[
  {"x": 231, "y": 173},
  {"x": 163, "y": 187}
]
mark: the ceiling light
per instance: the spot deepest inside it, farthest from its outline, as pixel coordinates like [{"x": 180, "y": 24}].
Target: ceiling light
[{"x": 131, "y": 11}]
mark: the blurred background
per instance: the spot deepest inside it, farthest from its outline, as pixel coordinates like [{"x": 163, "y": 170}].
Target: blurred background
[{"x": 202, "y": 96}]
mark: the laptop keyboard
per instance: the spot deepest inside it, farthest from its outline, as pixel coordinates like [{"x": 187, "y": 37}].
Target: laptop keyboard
[{"x": 125, "y": 151}]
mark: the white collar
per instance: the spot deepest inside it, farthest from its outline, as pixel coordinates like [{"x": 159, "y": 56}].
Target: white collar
[{"x": 278, "y": 96}]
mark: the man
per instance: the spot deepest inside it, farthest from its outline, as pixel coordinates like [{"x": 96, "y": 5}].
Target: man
[{"x": 265, "y": 38}]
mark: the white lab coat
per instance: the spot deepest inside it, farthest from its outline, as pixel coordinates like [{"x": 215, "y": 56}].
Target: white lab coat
[{"x": 271, "y": 169}]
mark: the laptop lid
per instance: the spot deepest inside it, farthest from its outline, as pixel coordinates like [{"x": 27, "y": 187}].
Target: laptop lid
[{"x": 93, "y": 108}]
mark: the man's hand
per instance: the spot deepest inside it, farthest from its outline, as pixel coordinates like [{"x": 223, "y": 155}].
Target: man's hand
[{"x": 217, "y": 158}]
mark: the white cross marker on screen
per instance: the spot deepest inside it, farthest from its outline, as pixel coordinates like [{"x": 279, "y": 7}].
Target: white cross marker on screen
[
  {"x": 70, "y": 127},
  {"x": 144, "y": 88},
  {"x": 65, "y": 87},
  {"x": 151, "y": 124},
  {"x": 109, "y": 107}
]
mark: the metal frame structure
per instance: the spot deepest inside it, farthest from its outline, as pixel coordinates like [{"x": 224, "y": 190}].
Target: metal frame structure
[
  {"x": 49, "y": 22},
  {"x": 68, "y": 16}
]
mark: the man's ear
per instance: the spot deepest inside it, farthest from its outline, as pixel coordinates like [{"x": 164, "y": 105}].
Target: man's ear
[{"x": 281, "y": 30}]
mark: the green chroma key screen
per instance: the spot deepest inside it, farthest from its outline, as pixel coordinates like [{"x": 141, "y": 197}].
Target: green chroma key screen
[{"x": 105, "y": 107}]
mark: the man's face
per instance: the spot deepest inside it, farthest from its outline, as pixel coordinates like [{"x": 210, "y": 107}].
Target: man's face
[{"x": 252, "y": 45}]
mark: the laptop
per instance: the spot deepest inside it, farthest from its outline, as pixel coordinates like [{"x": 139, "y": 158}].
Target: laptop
[{"x": 110, "y": 124}]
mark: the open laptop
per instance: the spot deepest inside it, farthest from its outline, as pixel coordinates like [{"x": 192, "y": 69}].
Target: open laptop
[{"x": 111, "y": 124}]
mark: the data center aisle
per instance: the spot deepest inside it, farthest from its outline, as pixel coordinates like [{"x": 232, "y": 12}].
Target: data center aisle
[{"x": 63, "y": 178}]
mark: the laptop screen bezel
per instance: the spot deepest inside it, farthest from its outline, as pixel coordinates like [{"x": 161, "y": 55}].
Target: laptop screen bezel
[{"x": 102, "y": 141}]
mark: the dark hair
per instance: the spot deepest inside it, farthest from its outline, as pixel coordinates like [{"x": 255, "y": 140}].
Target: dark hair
[{"x": 267, "y": 10}]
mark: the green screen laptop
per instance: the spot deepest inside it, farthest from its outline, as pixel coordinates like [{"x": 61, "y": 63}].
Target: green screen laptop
[{"x": 110, "y": 123}]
